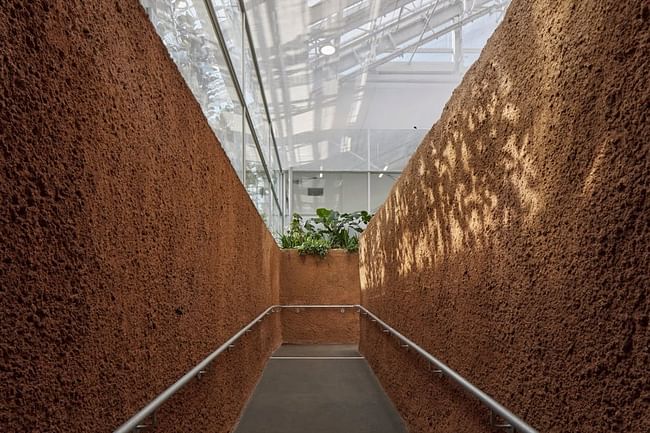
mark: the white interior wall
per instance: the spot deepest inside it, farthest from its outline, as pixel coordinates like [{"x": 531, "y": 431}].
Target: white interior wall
[{"x": 403, "y": 106}]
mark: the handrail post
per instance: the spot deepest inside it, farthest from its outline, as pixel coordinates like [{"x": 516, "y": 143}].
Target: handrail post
[
  {"x": 135, "y": 423},
  {"x": 513, "y": 422}
]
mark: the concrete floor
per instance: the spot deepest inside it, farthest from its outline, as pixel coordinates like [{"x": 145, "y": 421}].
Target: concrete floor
[{"x": 328, "y": 389}]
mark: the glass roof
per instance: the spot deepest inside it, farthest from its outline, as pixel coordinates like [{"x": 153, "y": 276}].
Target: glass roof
[
  {"x": 322, "y": 102},
  {"x": 395, "y": 65}
]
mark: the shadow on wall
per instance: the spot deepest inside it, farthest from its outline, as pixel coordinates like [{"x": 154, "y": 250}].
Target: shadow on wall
[
  {"x": 472, "y": 174},
  {"x": 515, "y": 243},
  {"x": 479, "y": 167},
  {"x": 459, "y": 202}
]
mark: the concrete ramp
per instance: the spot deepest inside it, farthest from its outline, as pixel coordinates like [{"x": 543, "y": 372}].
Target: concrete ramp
[{"x": 319, "y": 389}]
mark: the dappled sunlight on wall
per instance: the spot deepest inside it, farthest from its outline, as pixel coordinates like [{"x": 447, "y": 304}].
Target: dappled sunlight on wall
[
  {"x": 516, "y": 246},
  {"x": 473, "y": 172}
]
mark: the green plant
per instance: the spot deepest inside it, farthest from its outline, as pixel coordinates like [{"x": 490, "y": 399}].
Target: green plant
[
  {"x": 296, "y": 234},
  {"x": 342, "y": 229},
  {"x": 330, "y": 229},
  {"x": 352, "y": 244},
  {"x": 315, "y": 246}
]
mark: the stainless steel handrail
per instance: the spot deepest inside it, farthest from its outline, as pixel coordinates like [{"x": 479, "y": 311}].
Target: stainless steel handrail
[
  {"x": 514, "y": 421},
  {"x": 135, "y": 422},
  {"x": 344, "y": 306}
]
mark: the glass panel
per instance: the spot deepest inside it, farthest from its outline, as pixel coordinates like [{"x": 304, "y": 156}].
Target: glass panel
[
  {"x": 444, "y": 41},
  {"x": 230, "y": 21},
  {"x": 390, "y": 149},
  {"x": 254, "y": 101},
  {"x": 433, "y": 57},
  {"x": 277, "y": 220},
  {"x": 469, "y": 59},
  {"x": 330, "y": 150},
  {"x": 187, "y": 32},
  {"x": 257, "y": 184},
  {"x": 380, "y": 186},
  {"x": 287, "y": 183},
  {"x": 476, "y": 33},
  {"x": 344, "y": 192},
  {"x": 274, "y": 168}
]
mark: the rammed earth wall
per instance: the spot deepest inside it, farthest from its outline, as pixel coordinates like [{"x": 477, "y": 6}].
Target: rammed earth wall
[
  {"x": 516, "y": 245},
  {"x": 333, "y": 280},
  {"x": 130, "y": 249}
]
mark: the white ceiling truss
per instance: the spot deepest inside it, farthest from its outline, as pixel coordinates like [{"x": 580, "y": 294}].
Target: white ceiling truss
[{"x": 385, "y": 49}]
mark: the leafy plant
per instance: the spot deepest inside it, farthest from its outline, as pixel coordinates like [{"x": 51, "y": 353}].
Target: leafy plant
[
  {"x": 296, "y": 234},
  {"x": 352, "y": 244},
  {"x": 330, "y": 229},
  {"x": 314, "y": 246}
]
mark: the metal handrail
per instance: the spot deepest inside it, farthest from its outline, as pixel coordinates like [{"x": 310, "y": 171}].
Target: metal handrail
[
  {"x": 135, "y": 423},
  {"x": 514, "y": 421},
  {"x": 287, "y": 306}
]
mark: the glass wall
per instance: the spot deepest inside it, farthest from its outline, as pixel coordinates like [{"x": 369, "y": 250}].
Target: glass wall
[
  {"x": 208, "y": 41},
  {"x": 342, "y": 191},
  {"x": 380, "y": 186},
  {"x": 354, "y": 149},
  {"x": 354, "y": 171},
  {"x": 257, "y": 183}
]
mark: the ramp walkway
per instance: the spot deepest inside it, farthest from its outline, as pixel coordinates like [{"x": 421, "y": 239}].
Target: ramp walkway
[
  {"x": 319, "y": 389},
  {"x": 322, "y": 388}
]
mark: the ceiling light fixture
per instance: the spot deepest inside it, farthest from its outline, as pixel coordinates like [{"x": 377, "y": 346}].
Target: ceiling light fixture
[{"x": 327, "y": 49}]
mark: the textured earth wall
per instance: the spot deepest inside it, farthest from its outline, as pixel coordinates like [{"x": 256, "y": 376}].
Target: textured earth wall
[
  {"x": 129, "y": 248},
  {"x": 313, "y": 280},
  {"x": 516, "y": 244}
]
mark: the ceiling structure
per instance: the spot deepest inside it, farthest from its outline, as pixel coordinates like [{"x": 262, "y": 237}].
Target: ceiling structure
[
  {"x": 353, "y": 85},
  {"x": 348, "y": 87}
]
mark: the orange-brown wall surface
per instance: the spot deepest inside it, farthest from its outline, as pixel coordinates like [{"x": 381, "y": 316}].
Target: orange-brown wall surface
[
  {"x": 320, "y": 281},
  {"x": 516, "y": 245},
  {"x": 129, "y": 248}
]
